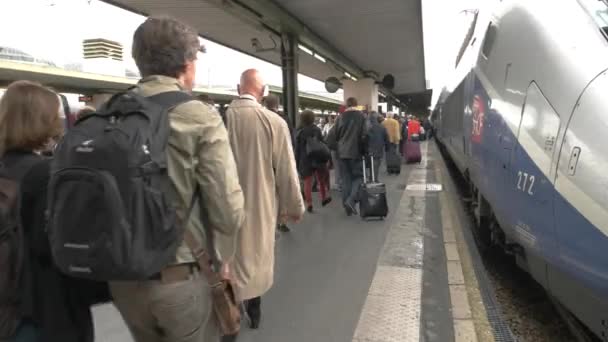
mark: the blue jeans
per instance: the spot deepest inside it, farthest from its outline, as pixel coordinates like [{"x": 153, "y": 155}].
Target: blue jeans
[
  {"x": 336, "y": 160},
  {"x": 351, "y": 171}
]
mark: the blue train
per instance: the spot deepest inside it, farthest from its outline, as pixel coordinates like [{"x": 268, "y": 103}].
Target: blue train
[{"x": 525, "y": 120}]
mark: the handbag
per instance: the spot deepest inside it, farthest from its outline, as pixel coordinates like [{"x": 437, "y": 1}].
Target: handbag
[
  {"x": 317, "y": 150},
  {"x": 223, "y": 299}
]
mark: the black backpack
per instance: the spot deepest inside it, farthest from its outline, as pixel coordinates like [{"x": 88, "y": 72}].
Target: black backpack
[
  {"x": 110, "y": 196},
  {"x": 12, "y": 241}
]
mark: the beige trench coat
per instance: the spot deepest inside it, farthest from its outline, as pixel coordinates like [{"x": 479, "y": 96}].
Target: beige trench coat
[{"x": 267, "y": 172}]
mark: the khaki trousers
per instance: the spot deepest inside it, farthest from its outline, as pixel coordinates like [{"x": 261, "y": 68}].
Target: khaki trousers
[{"x": 174, "y": 312}]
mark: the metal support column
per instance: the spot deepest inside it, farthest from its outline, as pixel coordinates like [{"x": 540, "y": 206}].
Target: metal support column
[
  {"x": 389, "y": 104},
  {"x": 289, "y": 65}
]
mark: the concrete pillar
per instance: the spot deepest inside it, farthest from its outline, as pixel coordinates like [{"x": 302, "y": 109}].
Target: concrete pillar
[
  {"x": 364, "y": 90},
  {"x": 98, "y": 99}
]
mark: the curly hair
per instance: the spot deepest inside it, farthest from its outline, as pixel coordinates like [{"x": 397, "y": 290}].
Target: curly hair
[{"x": 163, "y": 46}]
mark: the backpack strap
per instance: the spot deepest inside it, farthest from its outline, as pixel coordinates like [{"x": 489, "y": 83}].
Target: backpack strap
[{"x": 171, "y": 99}]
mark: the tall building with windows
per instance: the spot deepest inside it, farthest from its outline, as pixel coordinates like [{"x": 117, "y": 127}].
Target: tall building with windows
[{"x": 103, "y": 56}]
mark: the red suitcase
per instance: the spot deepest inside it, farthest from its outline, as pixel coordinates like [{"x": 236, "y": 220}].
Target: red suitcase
[{"x": 412, "y": 152}]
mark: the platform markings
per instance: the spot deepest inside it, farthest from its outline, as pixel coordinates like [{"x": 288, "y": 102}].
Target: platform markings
[
  {"x": 464, "y": 326},
  {"x": 392, "y": 309}
]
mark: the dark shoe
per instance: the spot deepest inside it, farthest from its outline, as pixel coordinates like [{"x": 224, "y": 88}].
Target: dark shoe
[
  {"x": 254, "y": 322},
  {"x": 229, "y": 338},
  {"x": 326, "y": 201},
  {"x": 309, "y": 209},
  {"x": 254, "y": 312},
  {"x": 283, "y": 228}
]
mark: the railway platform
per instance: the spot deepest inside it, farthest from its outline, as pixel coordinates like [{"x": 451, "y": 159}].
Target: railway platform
[{"x": 410, "y": 277}]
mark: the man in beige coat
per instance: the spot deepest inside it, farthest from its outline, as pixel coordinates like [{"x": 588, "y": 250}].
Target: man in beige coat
[{"x": 266, "y": 166}]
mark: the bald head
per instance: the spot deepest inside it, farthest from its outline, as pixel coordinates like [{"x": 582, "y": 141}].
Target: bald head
[{"x": 252, "y": 84}]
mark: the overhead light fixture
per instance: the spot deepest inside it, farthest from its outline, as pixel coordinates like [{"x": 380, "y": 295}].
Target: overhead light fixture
[
  {"x": 321, "y": 58},
  {"x": 305, "y": 49},
  {"x": 353, "y": 78},
  {"x": 347, "y": 75}
]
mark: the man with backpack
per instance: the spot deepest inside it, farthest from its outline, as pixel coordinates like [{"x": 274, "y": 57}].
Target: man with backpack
[{"x": 144, "y": 191}]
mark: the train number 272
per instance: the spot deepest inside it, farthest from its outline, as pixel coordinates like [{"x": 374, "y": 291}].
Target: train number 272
[{"x": 525, "y": 182}]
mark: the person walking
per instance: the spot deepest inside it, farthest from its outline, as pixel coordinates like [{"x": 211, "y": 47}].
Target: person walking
[
  {"x": 404, "y": 135},
  {"x": 309, "y": 166},
  {"x": 267, "y": 172},
  {"x": 351, "y": 139},
  {"x": 378, "y": 142},
  {"x": 175, "y": 305},
  {"x": 393, "y": 130},
  {"x": 45, "y": 305},
  {"x": 332, "y": 142},
  {"x": 331, "y": 165},
  {"x": 271, "y": 102},
  {"x": 413, "y": 129}
]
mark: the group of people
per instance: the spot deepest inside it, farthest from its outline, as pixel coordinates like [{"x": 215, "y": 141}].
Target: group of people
[
  {"x": 244, "y": 167},
  {"x": 353, "y": 136},
  {"x": 255, "y": 173}
]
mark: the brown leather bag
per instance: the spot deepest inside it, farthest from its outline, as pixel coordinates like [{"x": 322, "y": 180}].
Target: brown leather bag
[
  {"x": 225, "y": 306},
  {"x": 224, "y": 303}
]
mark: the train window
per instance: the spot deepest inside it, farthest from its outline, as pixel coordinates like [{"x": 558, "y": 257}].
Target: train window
[
  {"x": 488, "y": 43},
  {"x": 539, "y": 129},
  {"x": 599, "y": 12},
  {"x": 468, "y": 37}
]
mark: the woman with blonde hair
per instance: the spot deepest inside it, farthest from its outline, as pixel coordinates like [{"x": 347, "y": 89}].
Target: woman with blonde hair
[{"x": 38, "y": 303}]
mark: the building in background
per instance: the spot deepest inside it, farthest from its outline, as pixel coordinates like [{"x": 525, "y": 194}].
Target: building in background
[
  {"x": 103, "y": 56},
  {"x": 12, "y": 54}
]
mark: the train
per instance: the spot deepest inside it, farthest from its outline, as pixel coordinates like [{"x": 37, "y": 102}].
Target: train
[{"x": 525, "y": 121}]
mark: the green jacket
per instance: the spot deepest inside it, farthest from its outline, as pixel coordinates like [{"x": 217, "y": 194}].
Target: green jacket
[{"x": 199, "y": 152}]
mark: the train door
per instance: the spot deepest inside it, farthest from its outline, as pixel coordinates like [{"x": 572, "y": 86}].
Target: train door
[
  {"x": 531, "y": 176},
  {"x": 580, "y": 277}
]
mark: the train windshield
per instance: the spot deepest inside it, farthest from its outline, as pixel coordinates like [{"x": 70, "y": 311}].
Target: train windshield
[{"x": 599, "y": 11}]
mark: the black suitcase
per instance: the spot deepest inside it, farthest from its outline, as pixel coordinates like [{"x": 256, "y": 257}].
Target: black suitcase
[
  {"x": 393, "y": 162},
  {"x": 372, "y": 196}
]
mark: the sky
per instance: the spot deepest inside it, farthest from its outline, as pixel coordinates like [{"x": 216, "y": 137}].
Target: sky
[{"x": 54, "y": 30}]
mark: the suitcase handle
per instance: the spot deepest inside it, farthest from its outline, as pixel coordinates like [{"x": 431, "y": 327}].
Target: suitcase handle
[{"x": 371, "y": 158}]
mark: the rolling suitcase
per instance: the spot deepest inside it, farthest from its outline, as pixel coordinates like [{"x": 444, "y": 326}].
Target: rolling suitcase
[
  {"x": 372, "y": 196},
  {"x": 393, "y": 162},
  {"x": 412, "y": 152}
]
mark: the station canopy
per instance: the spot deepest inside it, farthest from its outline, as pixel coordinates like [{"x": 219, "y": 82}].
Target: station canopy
[{"x": 339, "y": 38}]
